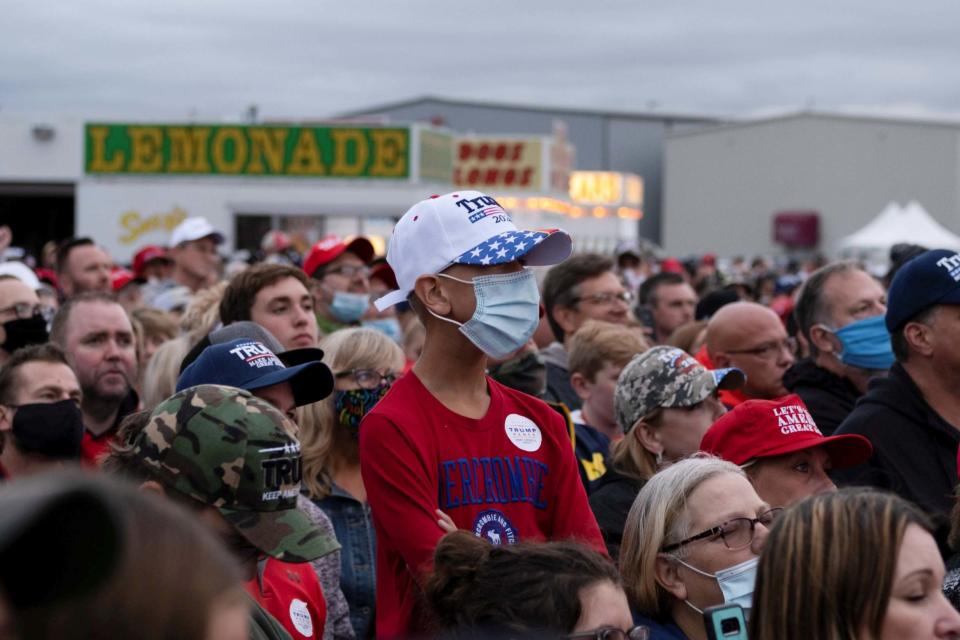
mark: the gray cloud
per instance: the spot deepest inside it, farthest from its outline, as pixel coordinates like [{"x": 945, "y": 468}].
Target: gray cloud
[{"x": 296, "y": 58}]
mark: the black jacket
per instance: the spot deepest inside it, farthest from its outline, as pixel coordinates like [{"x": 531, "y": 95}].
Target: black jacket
[
  {"x": 559, "y": 388},
  {"x": 829, "y": 397},
  {"x": 611, "y": 501},
  {"x": 914, "y": 449}
]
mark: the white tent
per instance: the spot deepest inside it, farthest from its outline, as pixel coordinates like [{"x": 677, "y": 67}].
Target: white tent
[{"x": 897, "y": 224}]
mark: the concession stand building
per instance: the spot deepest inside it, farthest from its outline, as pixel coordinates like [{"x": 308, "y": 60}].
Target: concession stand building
[{"x": 130, "y": 183}]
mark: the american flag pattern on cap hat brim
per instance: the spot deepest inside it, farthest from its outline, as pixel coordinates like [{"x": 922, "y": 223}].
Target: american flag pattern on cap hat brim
[{"x": 501, "y": 248}]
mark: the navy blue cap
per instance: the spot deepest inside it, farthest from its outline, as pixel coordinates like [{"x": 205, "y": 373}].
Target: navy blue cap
[
  {"x": 249, "y": 364},
  {"x": 933, "y": 277}
]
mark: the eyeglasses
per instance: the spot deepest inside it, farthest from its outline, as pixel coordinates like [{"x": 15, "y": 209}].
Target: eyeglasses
[
  {"x": 736, "y": 533},
  {"x": 613, "y": 633},
  {"x": 766, "y": 351},
  {"x": 607, "y": 298},
  {"x": 23, "y": 310},
  {"x": 349, "y": 270},
  {"x": 368, "y": 378}
]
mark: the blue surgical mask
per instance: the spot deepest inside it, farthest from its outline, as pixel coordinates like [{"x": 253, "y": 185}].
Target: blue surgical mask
[
  {"x": 866, "y": 344},
  {"x": 388, "y": 326},
  {"x": 349, "y": 307},
  {"x": 507, "y": 313},
  {"x": 736, "y": 583}
]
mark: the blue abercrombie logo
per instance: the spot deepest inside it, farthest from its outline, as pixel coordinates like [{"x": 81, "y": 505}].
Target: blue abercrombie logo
[{"x": 494, "y": 527}]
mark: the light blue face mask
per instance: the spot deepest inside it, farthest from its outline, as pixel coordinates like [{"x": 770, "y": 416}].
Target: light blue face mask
[
  {"x": 866, "y": 344},
  {"x": 736, "y": 584},
  {"x": 388, "y": 326},
  {"x": 349, "y": 307},
  {"x": 507, "y": 314}
]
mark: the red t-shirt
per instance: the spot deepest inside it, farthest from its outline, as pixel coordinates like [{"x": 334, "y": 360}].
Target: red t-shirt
[
  {"x": 508, "y": 476},
  {"x": 93, "y": 448},
  {"x": 291, "y": 593}
]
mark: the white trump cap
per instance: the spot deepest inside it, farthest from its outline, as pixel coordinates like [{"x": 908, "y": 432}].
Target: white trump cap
[{"x": 463, "y": 227}]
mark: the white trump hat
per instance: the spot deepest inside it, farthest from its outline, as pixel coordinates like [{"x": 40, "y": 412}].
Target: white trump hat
[{"x": 463, "y": 227}]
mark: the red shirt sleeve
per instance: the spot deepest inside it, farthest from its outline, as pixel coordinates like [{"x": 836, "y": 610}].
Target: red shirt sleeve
[{"x": 402, "y": 492}]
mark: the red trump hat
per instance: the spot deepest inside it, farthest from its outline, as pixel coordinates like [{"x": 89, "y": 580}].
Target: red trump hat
[
  {"x": 767, "y": 428},
  {"x": 331, "y": 247}
]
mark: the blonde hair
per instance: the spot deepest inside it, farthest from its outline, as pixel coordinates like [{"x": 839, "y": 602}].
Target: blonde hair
[
  {"x": 630, "y": 458},
  {"x": 203, "y": 312},
  {"x": 659, "y": 517},
  {"x": 156, "y": 322},
  {"x": 160, "y": 378},
  {"x": 322, "y": 442},
  {"x": 597, "y": 343}
]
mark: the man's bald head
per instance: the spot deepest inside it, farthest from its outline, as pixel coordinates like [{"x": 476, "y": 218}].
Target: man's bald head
[{"x": 751, "y": 337}]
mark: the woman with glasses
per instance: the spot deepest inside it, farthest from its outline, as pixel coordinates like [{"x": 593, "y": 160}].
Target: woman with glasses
[
  {"x": 692, "y": 540},
  {"x": 859, "y": 564},
  {"x": 664, "y": 402},
  {"x": 365, "y": 364},
  {"x": 529, "y": 589}
]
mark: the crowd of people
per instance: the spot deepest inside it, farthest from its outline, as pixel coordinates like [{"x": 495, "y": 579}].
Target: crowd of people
[{"x": 482, "y": 433}]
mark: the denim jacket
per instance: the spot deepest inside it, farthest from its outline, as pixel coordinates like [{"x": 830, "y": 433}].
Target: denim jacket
[{"x": 353, "y": 525}]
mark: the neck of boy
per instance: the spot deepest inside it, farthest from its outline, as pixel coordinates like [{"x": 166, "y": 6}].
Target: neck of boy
[{"x": 454, "y": 371}]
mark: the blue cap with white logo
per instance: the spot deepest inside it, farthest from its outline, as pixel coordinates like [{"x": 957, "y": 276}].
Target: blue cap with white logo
[
  {"x": 931, "y": 278},
  {"x": 249, "y": 364}
]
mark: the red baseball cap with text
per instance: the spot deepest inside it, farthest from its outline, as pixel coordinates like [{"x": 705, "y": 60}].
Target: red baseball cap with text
[
  {"x": 146, "y": 255},
  {"x": 767, "y": 428},
  {"x": 331, "y": 247}
]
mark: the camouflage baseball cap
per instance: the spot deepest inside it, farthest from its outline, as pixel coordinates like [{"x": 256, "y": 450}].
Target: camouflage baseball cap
[
  {"x": 666, "y": 377},
  {"x": 229, "y": 449}
]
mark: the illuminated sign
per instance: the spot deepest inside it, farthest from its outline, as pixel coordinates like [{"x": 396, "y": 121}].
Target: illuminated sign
[
  {"x": 316, "y": 152},
  {"x": 606, "y": 188},
  {"x": 506, "y": 163}
]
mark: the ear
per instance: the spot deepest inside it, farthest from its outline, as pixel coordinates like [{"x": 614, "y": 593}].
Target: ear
[
  {"x": 920, "y": 338},
  {"x": 318, "y": 292},
  {"x": 66, "y": 284},
  {"x": 581, "y": 385},
  {"x": 152, "y": 486},
  {"x": 648, "y": 437},
  {"x": 666, "y": 574},
  {"x": 432, "y": 295},
  {"x": 566, "y": 318},
  {"x": 721, "y": 360},
  {"x": 824, "y": 340}
]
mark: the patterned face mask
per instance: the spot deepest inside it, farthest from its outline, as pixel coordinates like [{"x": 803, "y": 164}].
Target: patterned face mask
[{"x": 353, "y": 404}]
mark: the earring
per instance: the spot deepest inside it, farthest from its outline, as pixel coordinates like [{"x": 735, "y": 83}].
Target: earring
[{"x": 659, "y": 458}]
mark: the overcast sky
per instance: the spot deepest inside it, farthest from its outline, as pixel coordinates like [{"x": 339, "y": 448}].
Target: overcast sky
[{"x": 210, "y": 59}]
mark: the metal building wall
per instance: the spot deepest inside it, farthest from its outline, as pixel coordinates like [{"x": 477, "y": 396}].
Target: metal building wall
[
  {"x": 722, "y": 186},
  {"x": 604, "y": 142}
]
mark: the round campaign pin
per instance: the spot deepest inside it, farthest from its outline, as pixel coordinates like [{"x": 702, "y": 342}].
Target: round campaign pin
[
  {"x": 523, "y": 432},
  {"x": 300, "y": 617}
]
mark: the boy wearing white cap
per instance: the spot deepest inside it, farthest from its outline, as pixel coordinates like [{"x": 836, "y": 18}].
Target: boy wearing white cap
[{"x": 446, "y": 436}]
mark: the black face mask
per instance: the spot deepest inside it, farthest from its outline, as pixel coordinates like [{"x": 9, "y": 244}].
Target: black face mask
[
  {"x": 53, "y": 430},
  {"x": 23, "y": 332}
]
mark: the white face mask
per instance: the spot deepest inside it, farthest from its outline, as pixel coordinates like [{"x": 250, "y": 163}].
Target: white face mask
[
  {"x": 507, "y": 313},
  {"x": 736, "y": 583}
]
